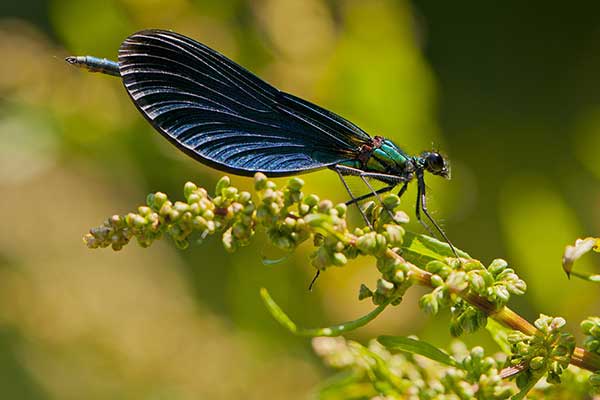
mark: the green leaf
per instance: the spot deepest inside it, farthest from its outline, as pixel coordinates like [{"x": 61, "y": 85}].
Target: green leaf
[
  {"x": 500, "y": 334},
  {"x": 335, "y": 330},
  {"x": 415, "y": 346},
  {"x": 532, "y": 381},
  {"x": 421, "y": 249},
  {"x": 573, "y": 253},
  {"x": 346, "y": 385}
]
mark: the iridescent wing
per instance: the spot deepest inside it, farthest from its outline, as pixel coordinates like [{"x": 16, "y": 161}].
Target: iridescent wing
[{"x": 224, "y": 116}]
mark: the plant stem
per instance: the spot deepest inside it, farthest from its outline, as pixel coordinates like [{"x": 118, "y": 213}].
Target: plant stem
[{"x": 507, "y": 317}]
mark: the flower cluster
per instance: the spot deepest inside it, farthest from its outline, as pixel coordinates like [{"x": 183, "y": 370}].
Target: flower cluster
[
  {"x": 548, "y": 350},
  {"x": 591, "y": 328},
  {"x": 291, "y": 217},
  {"x": 452, "y": 278},
  {"x": 377, "y": 371},
  {"x": 288, "y": 215}
]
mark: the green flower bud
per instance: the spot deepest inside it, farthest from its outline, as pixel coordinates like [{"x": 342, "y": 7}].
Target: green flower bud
[
  {"x": 244, "y": 197},
  {"x": 477, "y": 352},
  {"x": 339, "y": 259},
  {"x": 497, "y": 266},
  {"x": 471, "y": 265},
  {"x": 304, "y": 209},
  {"x": 116, "y": 221},
  {"x": 537, "y": 363},
  {"x": 457, "y": 281},
  {"x": 501, "y": 294},
  {"x": 156, "y": 200},
  {"x": 592, "y": 345},
  {"x": 295, "y": 184},
  {"x": 366, "y": 243},
  {"x": 144, "y": 211},
  {"x": 222, "y": 184},
  {"x": 428, "y": 303},
  {"x": 165, "y": 209},
  {"x": 400, "y": 217},
  {"x": 172, "y": 216},
  {"x": 341, "y": 209},
  {"x": 587, "y": 325},
  {"x": 193, "y": 199},
  {"x": 325, "y": 206},
  {"x": 181, "y": 207},
  {"x": 260, "y": 181},
  {"x": 381, "y": 244},
  {"x": 271, "y": 185},
  {"x": 487, "y": 277},
  {"x": 394, "y": 234},
  {"x": 387, "y": 264},
  {"x": 436, "y": 280},
  {"x": 436, "y": 267},
  {"x": 188, "y": 189},
  {"x": 230, "y": 192},
  {"x": 289, "y": 222},
  {"x": 594, "y": 379},
  {"x": 399, "y": 277},
  {"x": 391, "y": 201},
  {"x": 137, "y": 220},
  {"x": 384, "y": 287},
  {"x": 476, "y": 282}
]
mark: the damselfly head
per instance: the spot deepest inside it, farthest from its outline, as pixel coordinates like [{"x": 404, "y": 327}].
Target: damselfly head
[{"x": 435, "y": 163}]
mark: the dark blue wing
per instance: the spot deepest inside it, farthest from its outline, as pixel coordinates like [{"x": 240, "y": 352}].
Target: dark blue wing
[{"x": 223, "y": 115}]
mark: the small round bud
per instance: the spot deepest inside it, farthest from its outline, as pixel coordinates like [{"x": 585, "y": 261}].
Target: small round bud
[
  {"x": 230, "y": 192},
  {"x": 311, "y": 200},
  {"x": 497, "y": 266},
  {"x": 325, "y": 206},
  {"x": 194, "y": 198},
  {"x": 537, "y": 363},
  {"x": 188, "y": 189},
  {"x": 260, "y": 181},
  {"x": 181, "y": 207},
  {"x": 341, "y": 209},
  {"x": 156, "y": 200},
  {"x": 384, "y": 287},
  {"x": 244, "y": 197},
  {"x": 436, "y": 280},
  {"x": 295, "y": 184},
  {"x": 391, "y": 201},
  {"x": 222, "y": 184},
  {"x": 339, "y": 259}
]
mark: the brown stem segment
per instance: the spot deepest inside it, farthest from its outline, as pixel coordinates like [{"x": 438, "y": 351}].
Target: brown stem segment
[{"x": 584, "y": 359}]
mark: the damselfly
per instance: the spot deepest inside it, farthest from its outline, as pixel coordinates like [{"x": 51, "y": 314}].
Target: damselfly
[{"x": 226, "y": 117}]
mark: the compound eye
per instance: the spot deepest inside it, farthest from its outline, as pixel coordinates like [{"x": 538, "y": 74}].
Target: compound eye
[{"x": 435, "y": 162}]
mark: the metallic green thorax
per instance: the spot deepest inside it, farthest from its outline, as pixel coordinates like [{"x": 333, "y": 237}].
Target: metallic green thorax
[{"x": 383, "y": 156}]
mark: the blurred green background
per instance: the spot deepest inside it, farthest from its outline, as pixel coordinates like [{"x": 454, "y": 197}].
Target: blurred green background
[{"x": 510, "y": 91}]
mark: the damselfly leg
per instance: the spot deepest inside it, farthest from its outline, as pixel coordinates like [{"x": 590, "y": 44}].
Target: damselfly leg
[
  {"x": 422, "y": 205},
  {"x": 392, "y": 180}
]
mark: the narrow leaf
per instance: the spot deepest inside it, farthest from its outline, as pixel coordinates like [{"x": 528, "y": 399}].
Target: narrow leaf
[
  {"x": 420, "y": 249},
  {"x": 521, "y": 395},
  {"x": 334, "y": 330},
  {"x": 499, "y": 333},
  {"x": 415, "y": 346}
]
